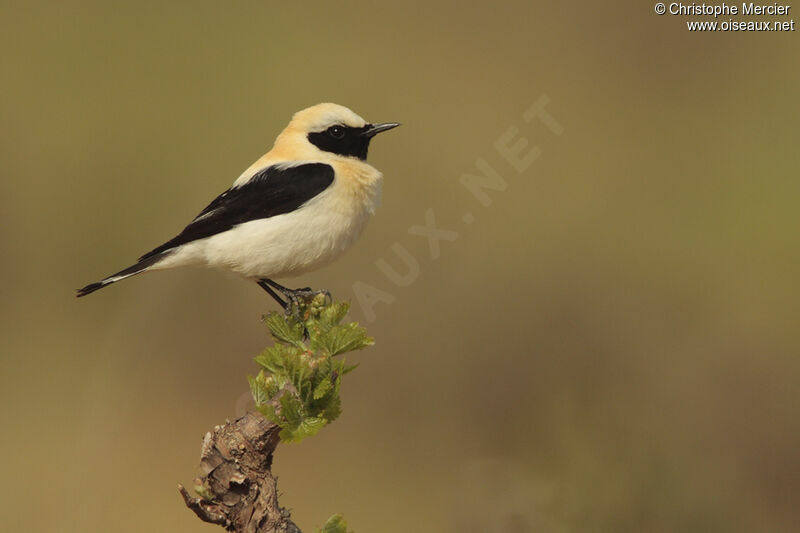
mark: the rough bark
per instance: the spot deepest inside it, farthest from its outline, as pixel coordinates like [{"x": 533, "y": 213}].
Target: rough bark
[{"x": 240, "y": 492}]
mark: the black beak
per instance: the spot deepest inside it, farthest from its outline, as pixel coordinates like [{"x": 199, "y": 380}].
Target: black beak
[{"x": 374, "y": 129}]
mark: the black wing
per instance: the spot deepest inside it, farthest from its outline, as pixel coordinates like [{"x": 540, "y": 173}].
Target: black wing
[{"x": 273, "y": 191}]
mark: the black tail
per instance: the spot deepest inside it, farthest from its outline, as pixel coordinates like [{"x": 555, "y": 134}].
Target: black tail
[
  {"x": 132, "y": 270},
  {"x": 90, "y": 288}
]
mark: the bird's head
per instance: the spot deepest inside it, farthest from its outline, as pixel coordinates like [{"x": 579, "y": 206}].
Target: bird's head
[{"x": 328, "y": 130}]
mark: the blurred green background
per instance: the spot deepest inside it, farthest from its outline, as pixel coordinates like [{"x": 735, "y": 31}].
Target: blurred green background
[{"x": 611, "y": 345}]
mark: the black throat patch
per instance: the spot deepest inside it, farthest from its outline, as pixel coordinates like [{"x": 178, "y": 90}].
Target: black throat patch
[{"x": 342, "y": 140}]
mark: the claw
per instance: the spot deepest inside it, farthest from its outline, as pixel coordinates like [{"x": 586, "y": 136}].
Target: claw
[{"x": 293, "y": 296}]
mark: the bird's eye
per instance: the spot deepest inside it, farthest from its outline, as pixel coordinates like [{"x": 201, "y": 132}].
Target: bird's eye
[{"x": 337, "y": 132}]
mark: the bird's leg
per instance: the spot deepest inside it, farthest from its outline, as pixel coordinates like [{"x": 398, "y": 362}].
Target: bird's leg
[
  {"x": 294, "y": 295},
  {"x": 264, "y": 284}
]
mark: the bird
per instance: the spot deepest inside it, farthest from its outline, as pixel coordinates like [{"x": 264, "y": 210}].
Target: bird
[{"x": 295, "y": 209}]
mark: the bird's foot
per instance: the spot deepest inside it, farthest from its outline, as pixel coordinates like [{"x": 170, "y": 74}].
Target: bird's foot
[
  {"x": 295, "y": 298},
  {"x": 303, "y": 297}
]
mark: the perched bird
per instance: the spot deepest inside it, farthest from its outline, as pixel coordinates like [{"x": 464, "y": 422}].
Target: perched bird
[{"x": 295, "y": 209}]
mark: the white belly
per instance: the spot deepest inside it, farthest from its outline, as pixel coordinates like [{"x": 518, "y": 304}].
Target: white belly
[{"x": 285, "y": 245}]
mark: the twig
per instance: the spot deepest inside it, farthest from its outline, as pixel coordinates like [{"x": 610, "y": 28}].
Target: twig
[{"x": 238, "y": 489}]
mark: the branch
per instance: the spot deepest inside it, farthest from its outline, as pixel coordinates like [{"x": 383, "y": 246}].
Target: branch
[
  {"x": 238, "y": 489},
  {"x": 296, "y": 392}
]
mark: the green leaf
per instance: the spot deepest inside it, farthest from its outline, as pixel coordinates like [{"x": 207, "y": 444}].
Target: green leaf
[
  {"x": 268, "y": 411},
  {"x": 291, "y": 410},
  {"x": 203, "y": 492},
  {"x": 323, "y": 388},
  {"x": 258, "y": 390},
  {"x": 335, "y": 524},
  {"x": 349, "y": 368},
  {"x": 334, "y": 313},
  {"x": 306, "y": 428},
  {"x": 333, "y": 409},
  {"x": 347, "y": 338},
  {"x": 275, "y": 357},
  {"x": 283, "y": 331},
  {"x": 310, "y": 426}
]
